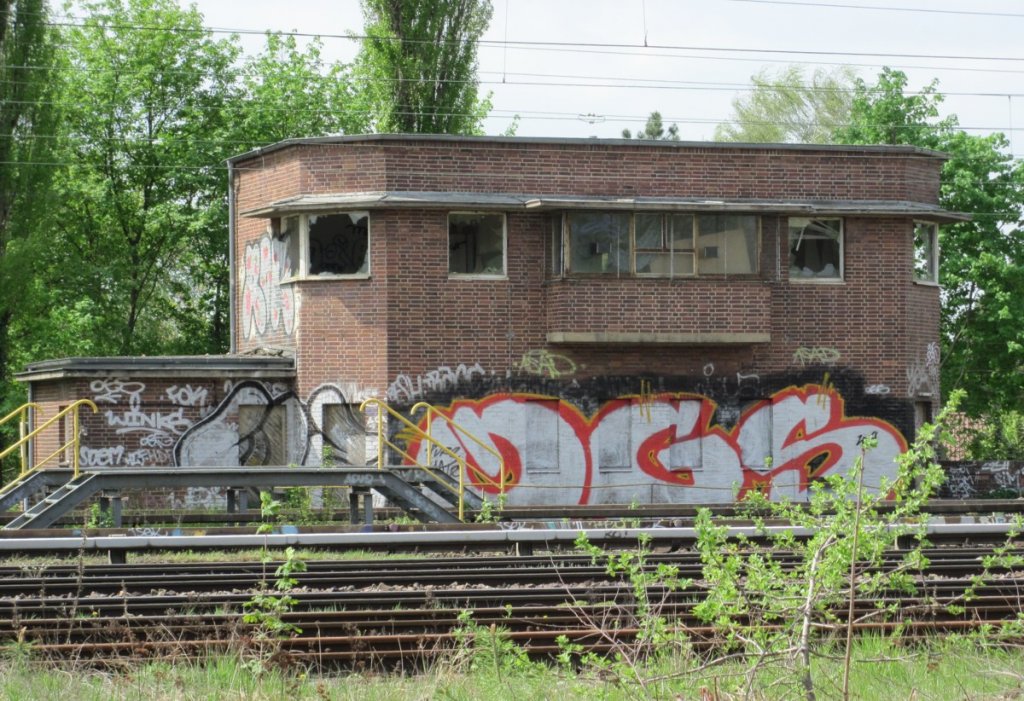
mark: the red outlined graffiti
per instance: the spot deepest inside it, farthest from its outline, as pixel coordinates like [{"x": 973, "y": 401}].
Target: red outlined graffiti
[{"x": 666, "y": 441}]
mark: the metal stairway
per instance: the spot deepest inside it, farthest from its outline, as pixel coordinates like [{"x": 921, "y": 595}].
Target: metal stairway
[
  {"x": 403, "y": 491},
  {"x": 50, "y": 508},
  {"x": 32, "y": 483},
  {"x": 442, "y": 484}
]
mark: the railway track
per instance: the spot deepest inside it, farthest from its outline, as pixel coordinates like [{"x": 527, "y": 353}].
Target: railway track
[{"x": 398, "y": 612}]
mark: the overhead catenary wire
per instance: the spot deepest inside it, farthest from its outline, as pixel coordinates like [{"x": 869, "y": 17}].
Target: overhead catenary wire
[{"x": 884, "y": 8}]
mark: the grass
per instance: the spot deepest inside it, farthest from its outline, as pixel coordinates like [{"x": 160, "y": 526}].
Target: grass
[{"x": 946, "y": 670}]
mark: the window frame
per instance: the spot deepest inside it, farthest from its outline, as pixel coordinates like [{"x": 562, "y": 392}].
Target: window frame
[
  {"x": 301, "y": 265},
  {"x": 933, "y": 258},
  {"x": 814, "y": 280},
  {"x": 561, "y": 247},
  {"x": 503, "y": 275}
]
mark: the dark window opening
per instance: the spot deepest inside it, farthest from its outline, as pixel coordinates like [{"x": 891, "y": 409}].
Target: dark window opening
[{"x": 339, "y": 244}]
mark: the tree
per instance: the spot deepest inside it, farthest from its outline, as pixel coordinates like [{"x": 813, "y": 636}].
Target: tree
[
  {"x": 982, "y": 270},
  {"x": 789, "y": 107},
  {"x": 27, "y": 116},
  {"x": 417, "y": 66},
  {"x": 141, "y": 193},
  {"x": 654, "y": 130},
  {"x": 287, "y": 92}
]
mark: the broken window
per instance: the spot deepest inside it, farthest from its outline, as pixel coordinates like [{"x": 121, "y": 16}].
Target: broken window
[
  {"x": 476, "y": 244},
  {"x": 339, "y": 244},
  {"x": 926, "y": 252},
  {"x": 815, "y": 248},
  {"x": 654, "y": 244}
]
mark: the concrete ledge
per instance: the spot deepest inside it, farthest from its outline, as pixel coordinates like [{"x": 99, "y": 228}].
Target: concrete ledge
[{"x": 641, "y": 337}]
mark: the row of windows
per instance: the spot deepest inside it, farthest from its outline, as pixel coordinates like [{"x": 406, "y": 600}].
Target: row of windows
[{"x": 599, "y": 243}]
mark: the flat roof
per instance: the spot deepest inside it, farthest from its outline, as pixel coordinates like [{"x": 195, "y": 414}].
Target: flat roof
[
  {"x": 561, "y": 141},
  {"x": 325, "y": 203},
  {"x": 160, "y": 366}
]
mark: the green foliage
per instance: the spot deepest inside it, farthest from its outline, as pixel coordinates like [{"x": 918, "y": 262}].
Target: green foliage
[
  {"x": 999, "y": 436},
  {"x": 769, "y": 608},
  {"x": 134, "y": 192},
  {"x": 654, "y": 130},
  {"x": 27, "y": 118},
  {"x": 265, "y": 610},
  {"x": 789, "y": 106},
  {"x": 490, "y": 511},
  {"x": 142, "y": 148},
  {"x": 99, "y": 517},
  {"x": 417, "y": 67},
  {"x": 982, "y": 270},
  {"x": 270, "y": 510},
  {"x": 658, "y": 641},
  {"x": 490, "y": 650},
  {"x": 288, "y": 92},
  {"x": 982, "y": 267}
]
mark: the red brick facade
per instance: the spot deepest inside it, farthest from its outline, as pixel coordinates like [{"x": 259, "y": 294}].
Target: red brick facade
[{"x": 593, "y": 387}]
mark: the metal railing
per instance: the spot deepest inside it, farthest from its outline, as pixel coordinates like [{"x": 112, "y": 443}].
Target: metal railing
[
  {"x": 22, "y": 414},
  {"x": 382, "y": 441},
  {"x": 432, "y": 411},
  {"x": 27, "y": 467}
]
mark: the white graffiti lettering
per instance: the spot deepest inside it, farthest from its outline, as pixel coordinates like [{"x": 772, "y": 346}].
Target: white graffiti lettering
[
  {"x": 444, "y": 379},
  {"x": 101, "y": 457},
  {"x": 876, "y": 389},
  {"x": 923, "y": 375},
  {"x": 113, "y": 390},
  {"x": 187, "y": 395}
]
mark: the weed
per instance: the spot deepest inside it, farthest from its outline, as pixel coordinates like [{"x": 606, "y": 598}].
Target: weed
[
  {"x": 490, "y": 511},
  {"x": 99, "y": 517}
]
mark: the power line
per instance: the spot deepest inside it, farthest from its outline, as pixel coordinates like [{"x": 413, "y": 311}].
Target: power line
[
  {"x": 882, "y": 8},
  {"x": 519, "y": 43}
]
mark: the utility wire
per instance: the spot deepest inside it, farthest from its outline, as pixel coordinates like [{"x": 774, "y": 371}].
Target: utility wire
[
  {"x": 519, "y": 43},
  {"x": 883, "y": 8}
]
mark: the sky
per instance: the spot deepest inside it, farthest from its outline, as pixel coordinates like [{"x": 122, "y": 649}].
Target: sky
[{"x": 581, "y": 68}]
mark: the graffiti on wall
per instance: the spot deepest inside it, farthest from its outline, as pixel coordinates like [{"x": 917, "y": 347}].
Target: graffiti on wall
[
  {"x": 146, "y": 435},
  {"x": 923, "y": 374},
  {"x": 971, "y": 480},
  {"x": 667, "y": 448},
  {"x": 267, "y": 305},
  {"x": 409, "y": 389},
  {"x": 544, "y": 363},
  {"x": 817, "y": 355},
  {"x": 260, "y": 424}
]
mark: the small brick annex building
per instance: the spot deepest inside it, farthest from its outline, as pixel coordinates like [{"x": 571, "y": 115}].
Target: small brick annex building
[{"x": 621, "y": 320}]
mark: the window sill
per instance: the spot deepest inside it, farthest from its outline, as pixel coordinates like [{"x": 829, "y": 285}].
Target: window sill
[
  {"x": 817, "y": 281},
  {"x": 322, "y": 278},
  {"x": 927, "y": 283},
  {"x": 475, "y": 276}
]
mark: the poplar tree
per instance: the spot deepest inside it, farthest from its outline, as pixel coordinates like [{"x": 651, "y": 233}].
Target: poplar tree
[
  {"x": 417, "y": 66},
  {"x": 26, "y": 122}
]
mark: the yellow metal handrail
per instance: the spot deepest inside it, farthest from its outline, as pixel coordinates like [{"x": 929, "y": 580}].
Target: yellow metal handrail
[
  {"x": 434, "y": 411},
  {"x": 382, "y": 440},
  {"x": 22, "y": 414},
  {"x": 73, "y": 443}
]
